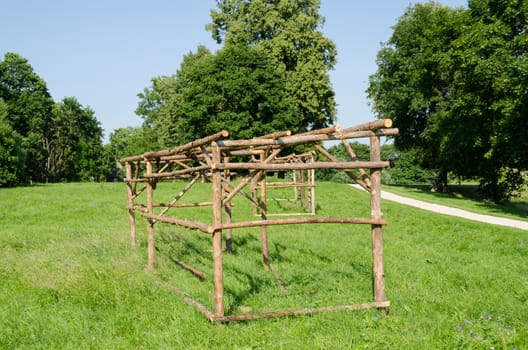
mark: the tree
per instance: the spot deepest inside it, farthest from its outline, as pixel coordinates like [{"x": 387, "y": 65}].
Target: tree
[
  {"x": 129, "y": 141},
  {"x": 237, "y": 89},
  {"x": 412, "y": 81},
  {"x": 12, "y": 156},
  {"x": 452, "y": 80},
  {"x": 159, "y": 105},
  {"x": 490, "y": 80},
  {"x": 29, "y": 111},
  {"x": 289, "y": 32},
  {"x": 74, "y": 148}
]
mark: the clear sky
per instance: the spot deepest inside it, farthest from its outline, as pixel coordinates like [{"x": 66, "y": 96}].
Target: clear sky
[{"x": 106, "y": 52}]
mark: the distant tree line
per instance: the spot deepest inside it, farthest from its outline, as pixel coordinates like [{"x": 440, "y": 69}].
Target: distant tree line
[
  {"x": 42, "y": 140},
  {"x": 455, "y": 82}
]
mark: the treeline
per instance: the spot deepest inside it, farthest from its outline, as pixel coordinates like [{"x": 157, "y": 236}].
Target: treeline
[{"x": 42, "y": 140}]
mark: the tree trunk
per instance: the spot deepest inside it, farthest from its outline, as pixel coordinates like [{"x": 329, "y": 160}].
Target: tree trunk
[{"x": 440, "y": 183}]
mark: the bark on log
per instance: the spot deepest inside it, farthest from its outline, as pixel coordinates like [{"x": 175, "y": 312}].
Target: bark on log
[
  {"x": 189, "y": 301},
  {"x": 193, "y": 225},
  {"x": 179, "y": 149},
  {"x": 189, "y": 268},
  {"x": 130, "y": 204},
  {"x": 290, "y": 221},
  {"x": 217, "y": 235},
  {"x": 306, "y": 311},
  {"x": 375, "y": 208},
  {"x": 374, "y": 125},
  {"x": 150, "y": 223},
  {"x": 275, "y": 135},
  {"x": 306, "y": 166}
]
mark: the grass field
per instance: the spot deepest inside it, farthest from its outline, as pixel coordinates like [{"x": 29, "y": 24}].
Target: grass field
[
  {"x": 466, "y": 197},
  {"x": 69, "y": 279}
]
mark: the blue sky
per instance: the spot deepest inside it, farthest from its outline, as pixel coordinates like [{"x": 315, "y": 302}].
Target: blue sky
[{"x": 106, "y": 52}]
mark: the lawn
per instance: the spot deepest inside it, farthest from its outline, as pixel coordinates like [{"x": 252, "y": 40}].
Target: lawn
[{"x": 69, "y": 279}]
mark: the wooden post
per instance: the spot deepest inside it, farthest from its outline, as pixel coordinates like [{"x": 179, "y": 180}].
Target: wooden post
[
  {"x": 150, "y": 222},
  {"x": 312, "y": 187},
  {"x": 264, "y": 215},
  {"x": 130, "y": 204},
  {"x": 295, "y": 189},
  {"x": 302, "y": 188},
  {"x": 254, "y": 196},
  {"x": 375, "y": 210},
  {"x": 227, "y": 209},
  {"x": 217, "y": 233}
]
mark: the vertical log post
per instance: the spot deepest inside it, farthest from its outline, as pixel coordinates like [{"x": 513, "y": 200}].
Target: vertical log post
[
  {"x": 254, "y": 185},
  {"x": 227, "y": 209},
  {"x": 264, "y": 214},
  {"x": 375, "y": 209},
  {"x": 150, "y": 222},
  {"x": 130, "y": 204},
  {"x": 303, "y": 187},
  {"x": 217, "y": 233},
  {"x": 295, "y": 189},
  {"x": 312, "y": 187}
]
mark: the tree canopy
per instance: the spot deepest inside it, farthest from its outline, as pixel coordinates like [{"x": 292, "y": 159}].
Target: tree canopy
[
  {"x": 42, "y": 140},
  {"x": 289, "y": 32},
  {"x": 236, "y": 89},
  {"x": 271, "y": 74},
  {"x": 454, "y": 82}
]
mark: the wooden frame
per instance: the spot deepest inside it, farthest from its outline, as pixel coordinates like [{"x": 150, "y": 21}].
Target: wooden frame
[{"x": 209, "y": 158}]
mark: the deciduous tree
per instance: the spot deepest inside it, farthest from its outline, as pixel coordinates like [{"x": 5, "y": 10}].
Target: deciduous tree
[
  {"x": 237, "y": 89},
  {"x": 454, "y": 81},
  {"x": 12, "y": 155},
  {"x": 29, "y": 111},
  {"x": 289, "y": 31}
]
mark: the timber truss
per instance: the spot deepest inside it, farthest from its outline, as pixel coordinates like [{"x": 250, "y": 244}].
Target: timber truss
[{"x": 217, "y": 159}]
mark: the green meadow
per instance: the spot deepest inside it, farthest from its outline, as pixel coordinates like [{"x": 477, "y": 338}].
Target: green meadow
[{"x": 70, "y": 280}]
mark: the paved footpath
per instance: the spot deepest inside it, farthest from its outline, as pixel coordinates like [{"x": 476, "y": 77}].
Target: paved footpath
[{"x": 442, "y": 209}]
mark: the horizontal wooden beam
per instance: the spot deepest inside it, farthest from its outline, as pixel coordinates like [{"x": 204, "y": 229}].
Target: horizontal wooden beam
[
  {"x": 179, "y": 149},
  {"x": 306, "y": 311},
  {"x": 374, "y": 125},
  {"x": 303, "y": 166},
  {"x": 291, "y": 221},
  {"x": 193, "y": 225}
]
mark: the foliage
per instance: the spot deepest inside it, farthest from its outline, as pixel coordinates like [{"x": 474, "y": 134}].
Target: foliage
[
  {"x": 75, "y": 147},
  {"x": 236, "y": 89},
  {"x": 289, "y": 32},
  {"x": 49, "y": 141},
  {"x": 72, "y": 281},
  {"x": 453, "y": 80},
  {"x": 29, "y": 110},
  {"x": 406, "y": 170},
  {"x": 129, "y": 141},
  {"x": 339, "y": 151},
  {"x": 12, "y": 156}
]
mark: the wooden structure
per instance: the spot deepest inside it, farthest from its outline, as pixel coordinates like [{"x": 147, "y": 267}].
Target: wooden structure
[
  {"x": 302, "y": 182},
  {"x": 209, "y": 158}
]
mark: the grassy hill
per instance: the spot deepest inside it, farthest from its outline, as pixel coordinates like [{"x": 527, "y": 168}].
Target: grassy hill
[{"x": 69, "y": 279}]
